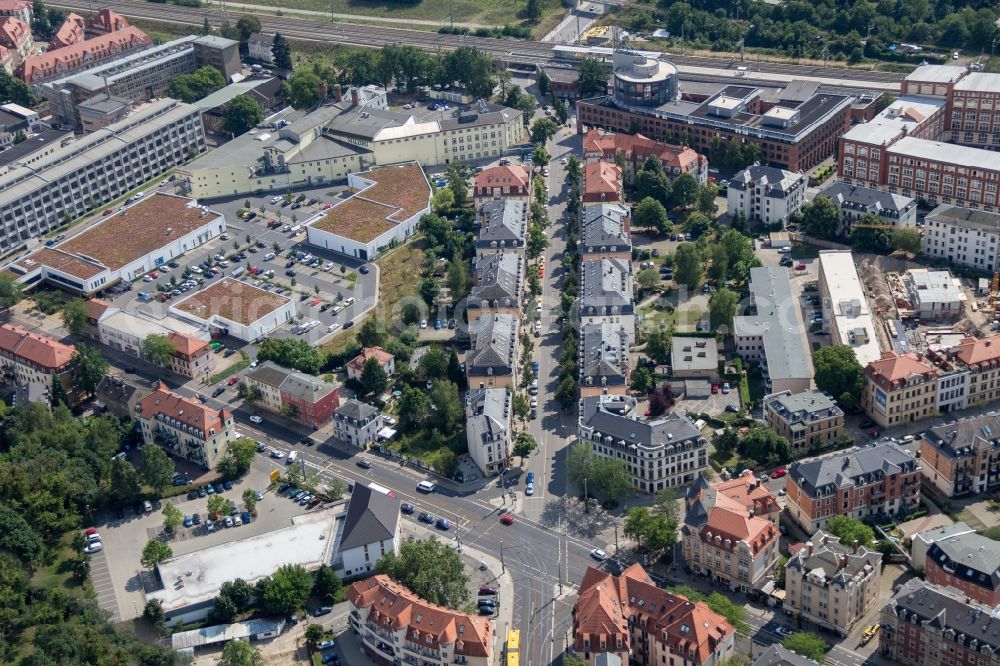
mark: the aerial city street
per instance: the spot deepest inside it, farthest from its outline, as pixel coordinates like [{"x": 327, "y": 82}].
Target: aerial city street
[{"x": 471, "y": 333}]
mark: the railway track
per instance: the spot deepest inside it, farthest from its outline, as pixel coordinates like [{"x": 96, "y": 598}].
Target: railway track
[{"x": 505, "y": 50}]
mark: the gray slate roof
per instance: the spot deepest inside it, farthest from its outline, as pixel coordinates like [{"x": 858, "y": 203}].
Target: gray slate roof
[
  {"x": 803, "y": 408},
  {"x": 605, "y": 284},
  {"x": 613, "y": 416},
  {"x": 504, "y": 224},
  {"x": 975, "y": 558},
  {"x": 776, "y": 655},
  {"x": 258, "y": 39},
  {"x": 776, "y": 182},
  {"x": 494, "y": 338},
  {"x": 498, "y": 280},
  {"x": 603, "y": 227},
  {"x": 966, "y": 436},
  {"x": 851, "y": 467},
  {"x": 945, "y": 609},
  {"x": 865, "y": 199},
  {"x": 604, "y": 347},
  {"x": 827, "y": 559},
  {"x": 371, "y": 517},
  {"x": 964, "y": 217},
  {"x": 778, "y": 322},
  {"x": 355, "y": 411},
  {"x": 488, "y": 414},
  {"x": 302, "y": 386}
]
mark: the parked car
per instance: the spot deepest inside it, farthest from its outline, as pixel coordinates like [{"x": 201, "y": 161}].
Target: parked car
[
  {"x": 488, "y": 590},
  {"x": 407, "y": 508},
  {"x": 507, "y": 519},
  {"x": 598, "y": 554},
  {"x": 425, "y": 517},
  {"x": 364, "y": 464},
  {"x": 95, "y": 547},
  {"x": 443, "y": 524},
  {"x": 256, "y": 419},
  {"x": 778, "y": 473}
]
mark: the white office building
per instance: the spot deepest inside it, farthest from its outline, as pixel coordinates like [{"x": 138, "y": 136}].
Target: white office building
[
  {"x": 369, "y": 531},
  {"x": 846, "y": 313},
  {"x": 963, "y": 236}
]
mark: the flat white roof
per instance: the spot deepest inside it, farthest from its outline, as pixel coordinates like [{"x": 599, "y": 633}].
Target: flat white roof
[
  {"x": 950, "y": 153},
  {"x": 936, "y": 73},
  {"x": 726, "y": 102},
  {"x": 906, "y": 113},
  {"x": 844, "y": 286},
  {"x": 143, "y": 327},
  {"x": 408, "y": 130},
  {"x": 196, "y": 577}
]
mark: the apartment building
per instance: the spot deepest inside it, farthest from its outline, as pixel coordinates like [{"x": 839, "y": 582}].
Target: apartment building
[
  {"x": 855, "y": 202},
  {"x": 386, "y": 204},
  {"x": 357, "y": 423},
  {"x": 963, "y": 458},
  {"x": 605, "y": 232},
  {"x": 724, "y": 538},
  {"x": 21, "y": 9},
  {"x": 499, "y": 283},
  {"x": 136, "y": 77},
  {"x": 922, "y": 541},
  {"x": 260, "y": 48},
  {"x": 508, "y": 181},
  {"x": 503, "y": 226},
  {"x": 831, "y": 584},
  {"x": 127, "y": 332},
  {"x": 879, "y": 480},
  {"x": 774, "y": 336},
  {"x": 294, "y": 395},
  {"x": 356, "y": 366},
  {"x": 119, "y": 396},
  {"x": 695, "y": 358},
  {"x": 899, "y": 389},
  {"x": 492, "y": 361},
  {"x": 932, "y": 625},
  {"x": 15, "y": 37},
  {"x": 606, "y": 293},
  {"x": 393, "y": 623},
  {"x": 963, "y": 236},
  {"x": 635, "y": 149},
  {"x": 488, "y": 428},
  {"x": 184, "y": 427},
  {"x": 765, "y": 195},
  {"x": 969, "y": 563},
  {"x": 370, "y": 531},
  {"x": 96, "y": 169},
  {"x": 664, "y": 452},
  {"x": 808, "y": 420},
  {"x": 629, "y": 617},
  {"x": 602, "y": 183},
  {"x": 27, "y": 358},
  {"x": 83, "y": 55},
  {"x": 604, "y": 361},
  {"x": 970, "y": 373},
  {"x": 846, "y": 313}
]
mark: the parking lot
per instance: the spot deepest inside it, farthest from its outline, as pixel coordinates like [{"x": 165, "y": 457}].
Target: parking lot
[{"x": 119, "y": 578}]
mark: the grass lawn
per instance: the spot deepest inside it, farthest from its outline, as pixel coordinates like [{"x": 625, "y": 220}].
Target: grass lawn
[
  {"x": 971, "y": 520},
  {"x": 398, "y": 280},
  {"x": 756, "y": 381}
]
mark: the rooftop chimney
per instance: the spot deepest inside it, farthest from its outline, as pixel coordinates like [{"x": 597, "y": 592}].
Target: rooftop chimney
[
  {"x": 355, "y": 97},
  {"x": 843, "y": 561},
  {"x": 856, "y": 545},
  {"x": 809, "y": 547},
  {"x": 338, "y": 93}
]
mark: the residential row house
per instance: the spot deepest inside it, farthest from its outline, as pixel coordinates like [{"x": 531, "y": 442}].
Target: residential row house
[
  {"x": 356, "y": 366},
  {"x": 604, "y": 362},
  {"x": 507, "y": 181},
  {"x": 832, "y": 585},
  {"x": 730, "y": 533},
  {"x": 294, "y": 395},
  {"x": 634, "y": 149},
  {"x": 498, "y": 285},
  {"x": 605, "y": 232},
  {"x": 488, "y": 428},
  {"x": 503, "y": 226},
  {"x": 808, "y": 420},
  {"x": 962, "y": 458},
  {"x": 631, "y": 618},
  {"x": 862, "y": 482},
  {"x": 393, "y": 625},
  {"x": 931, "y": 625},
  {"x": 969, "y": 563},
  {"x": 357, "y": 423},
  {"x": 602, "y": 183},
  {"x": 184, "y": 427},
  {"x": 27, "y": 357},
  {"x": 492, "y": 361}
]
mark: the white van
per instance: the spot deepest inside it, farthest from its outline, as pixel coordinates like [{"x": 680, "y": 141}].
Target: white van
[
  {"x": 425, "y": 487},
  {"x": 291, "y": 457},
  {"x": 238, "y": 272},
  {"x": 296, "y": 229},
  {"x": 269, "y": 256}
]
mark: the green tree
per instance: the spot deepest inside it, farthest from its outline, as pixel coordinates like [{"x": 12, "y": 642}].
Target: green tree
[
  {"x": 413, "y": 408},
  {"x": 206, "y": 27},
  {"x": 458, "y": 278},
  {"x": 284, "y": 592},
  {"x": 533, "y": 10},
  {"x": 907, "y": 240},
  {"x": 722, "y": 309},
  {"x": 592, "y": 79},
  {"x": 196, "y": 85},
  {"x": 250, "y": 501},
  {"x": 304, "y": 90},
  {"x": 238, "y": 458},
  {"x": 706, "y": 199},
  {"x": 158, "y": 349},
  {"x": 57, "y": 394},
  {"x": 457, "y": 177},
  {"x": 455, "y": 373},
  {"x": 658, "y": 345},
  {"x": 74, "y": 315},
  {"x": 642, "y": 380},
  {"x": 314, "y": 634},
  {"x": 171, "y": 517},
  {"x": 650, "y": 214},
  {"x": 719, "y": 268},
  {"x": 544, "y": 84},
  {"x": 683, "y": 191},
  {"x": 446, "y": 413},
  {"x": 653, "y": 532},
  {"x": 157, "y": 468},
  {"x": 282, "y": 51},
  {"x": 871, "y": 234},
  {"x": 240, "y": 652},
  {"x": 849, "y": 530},
  {"x": 542, "y": 130},
  {"x": 779, "y": 571},
  {"x": 90, "y": 367},
  {"x": 540, "y": 156},
  {"x": 566, "y": 391},
  {"x": 605, "y": 477},
  {"x": 821, "y": 218},
  {"x": 374, "y": 379},
  {"x": 837, "y": 371},
  {"x": 247, "y": 25},
  {"x": 218, "y": 506},
  {"x": 524, "y": 444},
  {"x": 326, "y": 584},
  {"x": 687, "y": 265},
  {"x": 242, "y": 114},
  {"x": 434, "y": 363},
  {"x": 11, "y": 291},
  {"x": 520, "y": 407},
  {"x": 123, "y": 481},
  {"x": 570, "y": 659},
  {"x": 155, "y": 552},
  {"x": 16, "y": 90},
  {"x": 648, "y": 279},
  {"x": 430, "y": 570},
  {"x": 153, "y": 613},
  {"x": 728, "y": 609},
  {"x": 765, "y": 446},
  {"x": 807, "y": 644},
  {"x": 372, "y": 333}
]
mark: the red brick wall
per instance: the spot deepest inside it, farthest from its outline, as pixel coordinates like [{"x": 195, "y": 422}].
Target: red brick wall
[{"x": 937, "y": 575}]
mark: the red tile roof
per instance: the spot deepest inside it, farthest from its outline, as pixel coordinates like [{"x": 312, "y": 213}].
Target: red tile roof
[
  {"x": 602, "y": 180},
  {"x": 395, "y": 607},
  {"x": 13, "y": 32},
  {"x": 636, "y": 148},
  {"x": 892, "y": 368},
  {"x": 738, "y": 526},
  {"x": 972, "y": 351},
  {"x": 34, "y": 348},
  {"x": 72, "y": 31},
  {"x": 188, "y": 411},
  {"x": 97, "y": 307},
  {"x": 187, "y": 345},
  {"x": 749, "y": 493},
  {"x": 512, "y": 175},
  {"x": 107, "y": 21},
  {"x": 14, "y": 5},
  {"x": 378, "y": 353},
  {"x": 65, "y": 61},
  {"x": 605, "y": 603}
]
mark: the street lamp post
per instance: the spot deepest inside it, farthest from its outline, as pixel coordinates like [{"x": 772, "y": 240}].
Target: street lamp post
[
  {"x": 503, "y": 568},
  {"x": 586, "y": 498}
]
